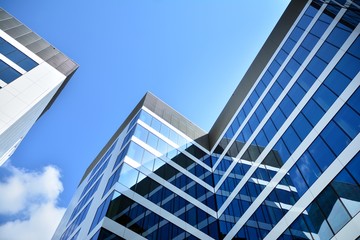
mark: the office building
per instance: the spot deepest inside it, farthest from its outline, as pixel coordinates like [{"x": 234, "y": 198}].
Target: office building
[
  {"x": 281, "y": 161},
  {"x": 32, "y": 74}
]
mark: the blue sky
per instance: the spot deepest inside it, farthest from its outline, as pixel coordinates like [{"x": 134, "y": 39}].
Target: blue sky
[{"x": 191, "y": 54}]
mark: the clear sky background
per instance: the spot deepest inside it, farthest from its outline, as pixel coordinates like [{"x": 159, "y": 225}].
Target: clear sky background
[{"x": 189, "y": 53}]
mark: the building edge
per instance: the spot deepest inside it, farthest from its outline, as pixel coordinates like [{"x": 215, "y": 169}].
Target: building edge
[{"x": 257, "y": 66}]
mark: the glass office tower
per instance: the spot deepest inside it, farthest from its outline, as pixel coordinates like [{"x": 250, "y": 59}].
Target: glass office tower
[
  {"x": 32, "y": 74},
  {"x": 281, "y": 161}
]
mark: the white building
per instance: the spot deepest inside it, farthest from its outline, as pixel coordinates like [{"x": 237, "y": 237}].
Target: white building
[{"x": 32, "y": 74}]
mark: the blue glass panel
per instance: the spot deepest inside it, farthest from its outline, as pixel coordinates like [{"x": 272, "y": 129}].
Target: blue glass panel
[
  {"x": 313, "y": 112},
  {"x": 348, "y": 120},
  {"x": 348, "y": 191},
  {"x": 281, "y": 149},
  {"x": 268, "y": 101},
  {"x": 292, "y": 67},
  {"x": 253, "y": 98},
  {"x": 300, "y": 54},
  {"x": 16, "y": 56},
  {"x": 283, "y": 79},
  {"x": 338, "y": 35},
  {"x": 354, "y": 168},
  {"x": 355, "y": 48},
  {"x": 321, "y": 153},
  {"x": 296, "y": 93},
  {"x": 301, "y": 126},
  {"x": 333, "y": 208},
  {"x": 3, "y": 66},
  {"x": 291, "y": 139},
  {"x": 269, "y": 129},
  {"x": 349, "y": 65},
  {"x": 128, "y": 176},
  {"x": 9, "y": 74},
  {"x": 297, "y": 180},
  {"x": 288, "y": 45},
  {"x": 156, "y": 124},
  {"x": 6, "y": 48},
  {"x": 335, "y": 137},
  {"x": 317, "y": 222},
  {"x": 145, "y": 117},
  {"x": 324, "y": 97},
  {"x": 260, "y": 111},
  {"x": 306, "y": 80},
  {"x": 282, "y": 55},
  {"x": 320, "y": 26},
  {"x": 327, "y": 52},
  {"x": 266, "y": 78},
  {"x": 354, "y": 101},
  {"x": 304, "y": 21},
  {"x": 336, "y": 81},
  {"x": 287, "y": 106},
  {"x": 316, "y": 66},
  {"x": 278, "y": 118},
  {"x": 309, "y": 170},
  {"x": 309, "y": 42}
]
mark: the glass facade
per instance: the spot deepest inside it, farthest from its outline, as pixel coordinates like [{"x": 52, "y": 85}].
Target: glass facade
[{"x": 286, "y": 166}]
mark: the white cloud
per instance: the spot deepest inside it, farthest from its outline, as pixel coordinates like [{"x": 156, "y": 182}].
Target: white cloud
[{"x": 33, "y": 196}]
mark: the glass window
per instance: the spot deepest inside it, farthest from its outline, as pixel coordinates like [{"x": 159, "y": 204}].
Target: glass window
[
  {"x": 156, "y": 124},
  {"x": 282, "y": 55},
  {"x": 313, "y": 112},
  {"x": 165, "y": 130},
  {"x": 141, "y": 133},
  {"x": 266, "y": 78},
  {"x": 349, "y": 65},
  {"x": 297, "y": 180},
  {"x": 283, "y": 79},
  {"x": 348, "y": 191},
  {"x": 321, "y": 153},
  {"x": 348, "y": 120},
  {"x": 317, "y": 222},
  {"x": 354, "y": 168},
  {"x": 268, "y": 101},
  {"x": 269, "y": 129},
  {"x": 152, "y": 140},
  {"x": 308, "y": 168},
  {"x": 320, "y": 26},
  {"x": 327, "y": 52},
  {"x": 281, "y": 149},
  {"x": 316, "y": 66},
  {"x": 306, "y": 80},
  {"x": 338, "y": 35},
  {"x": 301, "y": 126},
  {"x": 16, "y": 55},
  {"x": 145, "y": 117},
  {"x": 335, "y": 137},
  {"x": 309, "y": 42},
  {"x": 278, "y": 118},
  {"x": 296, "y": 93},
  {"x": 333, "y": 208},
  {"x": 354, "y": 101},
  {"x": 8, "y": 74},
  {"x": 292, "y": 67},
  {"x": 135, "y": 152},
  {"x": 355, "y": 48},
  {"x": 336, "y": 81},
  {"x": 304, "y": 21},
  {"x": 300, "y": 54},
  {"x": 128, "y": 176},
  {"x": 288, "y": 45},
  {"x": 291, "y": 139},
  {"x": 324, "y": 97}
]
